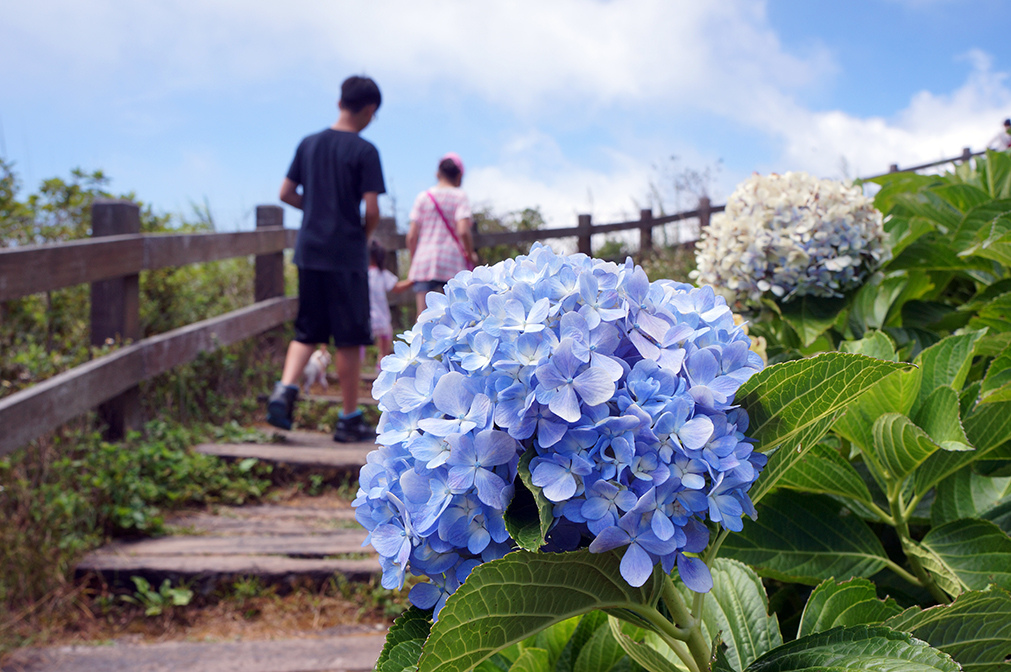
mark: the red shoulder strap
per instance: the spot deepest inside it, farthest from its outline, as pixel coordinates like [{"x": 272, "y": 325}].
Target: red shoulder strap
[{"x": 452, "y": 231}]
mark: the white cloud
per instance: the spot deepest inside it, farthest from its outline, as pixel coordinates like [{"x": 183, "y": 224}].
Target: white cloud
[
  {"x": 934, "y": 126},
  {"x": 534, "y": 173},
  {"x": 524, "y": 54}
]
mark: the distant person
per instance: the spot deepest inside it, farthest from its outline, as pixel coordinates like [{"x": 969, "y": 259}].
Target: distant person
[
  {"x": 381, "y": 281},
  {"x": 440, "y": 238},
  {"x": 337, "y": 170},
  {"x": 1002, "y": 141}
]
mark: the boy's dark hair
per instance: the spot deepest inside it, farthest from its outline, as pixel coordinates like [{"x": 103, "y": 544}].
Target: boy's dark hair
[
  {"x": 1007, "y": 122},
  {"x": 448, "y": 168},
  {"x": 377, "y": 254},
  {"x": 357, "y": 92}
]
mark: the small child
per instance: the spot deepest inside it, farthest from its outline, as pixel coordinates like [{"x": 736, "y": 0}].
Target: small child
[{"x": 381, "y": 281}]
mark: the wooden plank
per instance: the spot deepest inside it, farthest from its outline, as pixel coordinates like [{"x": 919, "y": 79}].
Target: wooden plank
[
  {"x": 513, "y": 237},
  {"x": 364, "y": 398},
  {"x": 298, "y": 438},
  {"x": 349, "y": 457},
  {"x": 180, "y": 346},
  {"x": 28, "y": 414},
  {"x": 322, "y": 545},
  {"x": 164, "y": 250},
  {"x": 270, "y": 569},
  {"x": 41, "y": 268},
  {"x": 226, "y": 523}
]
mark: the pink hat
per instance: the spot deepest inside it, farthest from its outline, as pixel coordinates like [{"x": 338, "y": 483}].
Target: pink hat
[{"x": 455, "y": 158}]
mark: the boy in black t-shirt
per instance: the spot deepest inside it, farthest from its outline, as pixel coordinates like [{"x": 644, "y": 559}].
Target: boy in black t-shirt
[{"x": 336, "y": 169}]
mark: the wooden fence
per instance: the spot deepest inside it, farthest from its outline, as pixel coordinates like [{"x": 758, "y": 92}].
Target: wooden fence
[
  {"x": 116, "y": 254},
  {"x": 111, "y": 262}
]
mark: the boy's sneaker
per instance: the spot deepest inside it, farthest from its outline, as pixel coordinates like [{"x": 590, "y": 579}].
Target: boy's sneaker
[
  {"x": 281, "y": 404},
  {"x": 353, "y": 430}
]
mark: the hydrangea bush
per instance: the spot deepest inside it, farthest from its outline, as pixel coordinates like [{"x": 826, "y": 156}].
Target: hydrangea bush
[
  {"x": 791, "y": 235},
  {"x": 611, "y": 396}
]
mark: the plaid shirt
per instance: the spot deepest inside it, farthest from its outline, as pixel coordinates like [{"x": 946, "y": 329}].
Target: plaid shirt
[{"x": 437, "y": 256}]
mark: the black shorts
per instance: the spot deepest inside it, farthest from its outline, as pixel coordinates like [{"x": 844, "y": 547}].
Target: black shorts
[{"x": 333, "y": 304}]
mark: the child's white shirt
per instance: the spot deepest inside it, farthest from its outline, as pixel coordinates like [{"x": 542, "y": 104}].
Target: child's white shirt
[{"x": 380, "y": 282}]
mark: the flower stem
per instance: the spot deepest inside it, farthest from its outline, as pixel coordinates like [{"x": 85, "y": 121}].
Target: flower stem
[
  {"x": 683, "y": 619},
  {"x": 687, "y": 624},
  {"x": 714, "y": 548},
  {"x": 672, "y": 636},
  {"x": 899, "y": 514}
]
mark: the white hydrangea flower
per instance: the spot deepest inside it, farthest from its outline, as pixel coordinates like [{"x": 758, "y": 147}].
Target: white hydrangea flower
[{"x": 790, "y": 235}]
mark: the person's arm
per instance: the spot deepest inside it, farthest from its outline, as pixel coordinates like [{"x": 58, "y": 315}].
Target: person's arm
[
  {"x": 463, "y": 231},
  {"x": 290, "y": 195},
  {"x": 371, "y": 212},
  {"x": 412, "y": 237}
]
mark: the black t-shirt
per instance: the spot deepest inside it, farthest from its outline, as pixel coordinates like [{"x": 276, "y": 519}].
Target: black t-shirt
[{"x": 334, "y": 168}]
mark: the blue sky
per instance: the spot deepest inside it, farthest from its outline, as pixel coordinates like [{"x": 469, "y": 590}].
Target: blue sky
[{"x": 570, "y": 105}]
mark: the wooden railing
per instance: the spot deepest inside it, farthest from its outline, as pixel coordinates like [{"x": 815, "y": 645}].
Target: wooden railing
[
  {"x": 966, "y": 154},
  {"x": 583, "y": 231},
  {"x": 111, "y": 261}
]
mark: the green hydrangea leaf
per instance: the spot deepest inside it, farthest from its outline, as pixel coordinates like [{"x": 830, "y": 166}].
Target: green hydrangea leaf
[
  {"x": 858, "y": 648},
  {"x": 505, "y": 601},
  {"x": 804, "y": 538},
  {"x": 853, "y": 602},
  {"x": 976, "y": 551},
  {"x": 737, "y": 610},
  {"x": 975, "y": 629}
]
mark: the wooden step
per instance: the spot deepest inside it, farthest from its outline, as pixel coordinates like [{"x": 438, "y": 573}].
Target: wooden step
[
  {"x": 320, "y": 545},
  {"x": 364, "y": 398},
  {"x": 265, "y": 519},
  {"x": 205, "y": 572},
  {"x": 306, "y": 449}
]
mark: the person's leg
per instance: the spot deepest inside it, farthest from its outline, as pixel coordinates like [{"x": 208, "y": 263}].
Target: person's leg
[
  {"x": 349, "y": 370},
  {"x": 385, "y": 345},
  {"x": 311, "y": 327},
  {"x": 295, "y": 361},
  {"x": 419, "y": 301},
  {"x": 350, "y": 326}
]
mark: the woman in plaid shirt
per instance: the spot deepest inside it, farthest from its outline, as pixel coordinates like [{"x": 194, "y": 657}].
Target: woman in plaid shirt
[{"x": 440, "y": 238}]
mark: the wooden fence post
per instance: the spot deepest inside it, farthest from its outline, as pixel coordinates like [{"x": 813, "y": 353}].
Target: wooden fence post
[
  {"x": 966, "y": 153},
  {"x": 645, "y": 233},
  {"x": 269, "y": 282},
  {"x": 704, "y": 212},
  {"x": 585, "y": 226},
  {"x": 115, "y": 311}
]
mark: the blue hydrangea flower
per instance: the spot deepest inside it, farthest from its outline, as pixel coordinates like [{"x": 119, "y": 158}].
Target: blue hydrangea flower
[{"x": 619, "y": 390}]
